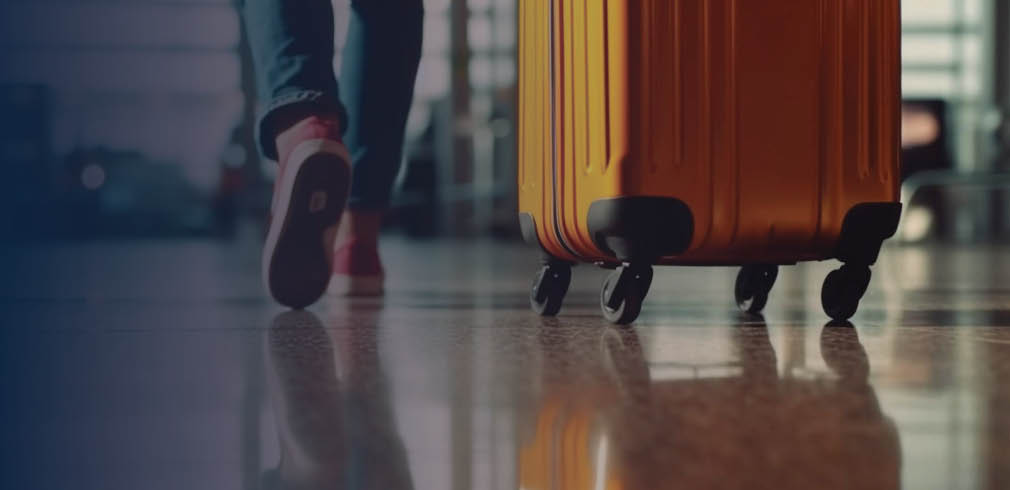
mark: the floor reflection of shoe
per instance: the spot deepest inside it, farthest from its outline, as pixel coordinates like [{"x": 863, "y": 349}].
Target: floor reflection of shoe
[
  {"x": 357, "y": 270},
  {"x": 309, "y": 197},
  {"x": 307, "y": 404}
]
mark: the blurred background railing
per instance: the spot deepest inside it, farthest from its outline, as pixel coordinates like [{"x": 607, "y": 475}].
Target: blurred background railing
[{"x": 133, "y": 118}]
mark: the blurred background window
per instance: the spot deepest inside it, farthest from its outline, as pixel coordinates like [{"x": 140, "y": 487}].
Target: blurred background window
[
  {"x": 953, "y": 86},
  {"x": 160, "y": 77},
  {"x": 944, "y": 57},
  {"x": 156, "y": 97},
  {"x": 143, "y": 93}
]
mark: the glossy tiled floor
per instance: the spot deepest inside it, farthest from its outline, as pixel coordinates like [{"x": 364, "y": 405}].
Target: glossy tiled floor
[{"x": 162, "y": 366}]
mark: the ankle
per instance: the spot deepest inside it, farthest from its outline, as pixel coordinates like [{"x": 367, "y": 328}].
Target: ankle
[
  {"x": 293, "y": 130},
  {"x": 286, "y": 118},
  {"x": 357, "y": 258},
  {"x": 359, "y": 229}
]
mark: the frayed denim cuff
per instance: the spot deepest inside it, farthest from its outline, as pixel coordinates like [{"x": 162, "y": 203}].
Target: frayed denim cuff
[{"x": 265, "y": 132}]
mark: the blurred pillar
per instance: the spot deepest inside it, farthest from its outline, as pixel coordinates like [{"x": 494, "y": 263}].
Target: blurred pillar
[
  {"x": 459, "y": 213},
  {"x": 504, "y": 125},
  {"x": 1001, "y": 98},
  {"x": 242, "y": 186},
  {"x": 245, "y": 132}
]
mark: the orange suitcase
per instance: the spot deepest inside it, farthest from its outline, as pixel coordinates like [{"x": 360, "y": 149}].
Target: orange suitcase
[{"x": 708, "y": 132}]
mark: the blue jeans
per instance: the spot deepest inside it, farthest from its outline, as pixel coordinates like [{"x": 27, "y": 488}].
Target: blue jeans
[{"x": 292, "y": 46}]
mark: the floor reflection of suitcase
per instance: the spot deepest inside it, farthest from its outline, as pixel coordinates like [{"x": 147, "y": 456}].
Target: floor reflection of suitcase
[
  {"x": 709, "y": 132},
  {"x": 603, "y": 423}
]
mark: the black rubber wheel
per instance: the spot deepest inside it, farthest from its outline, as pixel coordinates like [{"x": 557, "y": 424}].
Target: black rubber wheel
[
  {"x": 843, "y": 288},
  {"x": 623, "y": 292},
  {"x": 549, "y": 288},
  {"x": 753, "y": 283}
]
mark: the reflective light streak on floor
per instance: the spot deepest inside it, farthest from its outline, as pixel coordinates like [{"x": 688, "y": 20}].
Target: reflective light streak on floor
[{"x": 163, "y": 366}]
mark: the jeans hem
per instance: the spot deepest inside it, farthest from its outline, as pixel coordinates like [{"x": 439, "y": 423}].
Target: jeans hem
[{"x": 325, "y": 102}]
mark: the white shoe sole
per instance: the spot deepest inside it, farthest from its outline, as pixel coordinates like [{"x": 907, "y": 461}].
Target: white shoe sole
[{"x": 309, "y": 201}]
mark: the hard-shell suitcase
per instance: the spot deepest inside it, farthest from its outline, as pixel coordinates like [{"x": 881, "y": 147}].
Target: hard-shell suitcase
[{"x": 708, "y": 132}]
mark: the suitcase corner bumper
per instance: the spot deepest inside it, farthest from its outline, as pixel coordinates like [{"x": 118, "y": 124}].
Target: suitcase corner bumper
[
  {"x": 528, "y": 228},
  {"x": 641, "y": 228},
  {"x": 864, "y": 229}
]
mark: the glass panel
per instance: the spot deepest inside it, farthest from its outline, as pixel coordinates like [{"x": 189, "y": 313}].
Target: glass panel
[{"x": 943, "y": 57}]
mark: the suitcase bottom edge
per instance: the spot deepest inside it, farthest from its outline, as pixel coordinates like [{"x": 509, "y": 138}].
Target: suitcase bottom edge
[{"x": 626, "y": 229}]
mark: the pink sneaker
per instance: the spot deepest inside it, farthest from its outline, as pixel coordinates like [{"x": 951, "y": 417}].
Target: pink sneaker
[
  {"x": 357, "y": 270},
  {"x": 309, "y": 197}
]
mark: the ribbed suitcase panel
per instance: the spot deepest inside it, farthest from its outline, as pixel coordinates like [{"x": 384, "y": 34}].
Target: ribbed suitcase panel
[
  {"x": 770, "y": 120},
  {"x": 860, "y": 107},
  {"x": 536, "y": 149},
  {"x": 583, "y": 109}
]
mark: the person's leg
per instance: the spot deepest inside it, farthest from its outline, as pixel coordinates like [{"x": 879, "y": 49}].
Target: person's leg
[
  {"x": 378, "y": 71},
  {"x": 292, "y": 49},
  {"x": 300, "y": 127}
]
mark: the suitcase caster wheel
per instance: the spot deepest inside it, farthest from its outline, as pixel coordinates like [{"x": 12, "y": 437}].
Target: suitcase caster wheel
[
  {"x": 843, "y": 288},
  {"x": 549, "y": 288},
  {"x": 753, "y": 283},
  {"x": 623, "y": 292}
]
